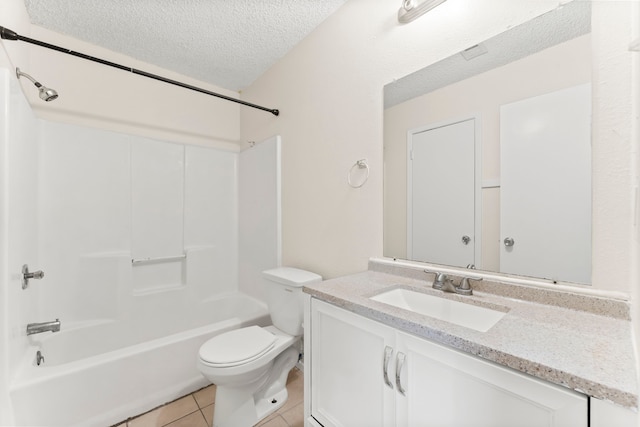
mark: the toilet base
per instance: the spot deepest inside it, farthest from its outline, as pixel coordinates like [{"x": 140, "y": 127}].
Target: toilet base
[
  {"x": 266, "y": 406},
  {"x": 244, "y": 407}
]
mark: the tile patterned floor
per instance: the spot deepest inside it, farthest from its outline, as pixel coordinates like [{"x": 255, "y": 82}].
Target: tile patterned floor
[{"x": 196, "y": 409}]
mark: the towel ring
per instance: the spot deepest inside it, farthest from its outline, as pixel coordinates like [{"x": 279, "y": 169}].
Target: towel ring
[{"x": 360, "y": 164}]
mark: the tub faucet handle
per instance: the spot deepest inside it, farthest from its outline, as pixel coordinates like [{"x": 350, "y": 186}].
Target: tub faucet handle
[{"x": 26, "y": 275}]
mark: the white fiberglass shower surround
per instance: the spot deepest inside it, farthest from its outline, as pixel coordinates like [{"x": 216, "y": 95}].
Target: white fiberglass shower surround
[{"x": 141, "y": 244}]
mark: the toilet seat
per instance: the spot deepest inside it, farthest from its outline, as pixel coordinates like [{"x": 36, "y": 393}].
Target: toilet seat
[{"x": 237, "y": 347}]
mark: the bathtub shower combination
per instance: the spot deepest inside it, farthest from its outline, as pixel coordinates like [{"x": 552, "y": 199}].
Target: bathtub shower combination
[{"x": 145, "y": 256}]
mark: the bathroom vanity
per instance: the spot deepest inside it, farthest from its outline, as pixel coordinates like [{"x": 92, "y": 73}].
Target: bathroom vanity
[{"x": 382, "y": 348}]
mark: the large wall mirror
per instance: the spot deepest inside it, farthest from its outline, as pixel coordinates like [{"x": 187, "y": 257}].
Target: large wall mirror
[{"x": 487, "y": 154}]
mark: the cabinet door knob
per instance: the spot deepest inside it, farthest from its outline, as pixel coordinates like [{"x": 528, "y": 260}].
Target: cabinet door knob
[
  {"x": 388, "y": 353},
  {"x": 400, "y": 358}
]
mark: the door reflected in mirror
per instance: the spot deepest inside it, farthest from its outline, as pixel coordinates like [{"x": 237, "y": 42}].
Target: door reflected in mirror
[{"x": 517, "y": 197}]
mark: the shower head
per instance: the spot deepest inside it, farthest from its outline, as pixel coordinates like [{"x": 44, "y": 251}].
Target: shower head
[{"x": 46, "y": 93}]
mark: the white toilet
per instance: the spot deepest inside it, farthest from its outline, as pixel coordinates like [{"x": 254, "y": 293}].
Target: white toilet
[{"x": 250, "y": 365}]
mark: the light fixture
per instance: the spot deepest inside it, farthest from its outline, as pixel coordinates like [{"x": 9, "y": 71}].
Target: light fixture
[
  {"x": 46, "y": 94},
  {"x": 412, "y": 9}
]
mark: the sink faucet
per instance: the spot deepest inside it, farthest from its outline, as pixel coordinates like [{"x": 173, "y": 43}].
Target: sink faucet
[
  {"x": 36, "y": 328},
  {"x": 442, "y": 283}
]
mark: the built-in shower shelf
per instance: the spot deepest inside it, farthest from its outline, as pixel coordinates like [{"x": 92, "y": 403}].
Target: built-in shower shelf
[
  {"x": 158, "y": 274},
  {"x": 158, "y": 259}
]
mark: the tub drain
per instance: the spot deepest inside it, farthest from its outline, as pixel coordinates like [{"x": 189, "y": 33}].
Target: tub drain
[{"x": 274, "y": 401}]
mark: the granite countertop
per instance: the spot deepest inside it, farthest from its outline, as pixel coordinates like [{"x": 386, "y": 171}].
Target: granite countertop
[{"x": 585, "y": 350}]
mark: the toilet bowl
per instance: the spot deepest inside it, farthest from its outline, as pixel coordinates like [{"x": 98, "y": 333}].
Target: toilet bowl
[{"x": 250, "y": 365}]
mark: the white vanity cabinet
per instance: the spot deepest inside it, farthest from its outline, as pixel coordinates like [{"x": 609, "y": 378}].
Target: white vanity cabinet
[
  {"x": 347, "y": 379},
  {"x": 445, "y": 387},
  {"x": 364, "y": 373}
]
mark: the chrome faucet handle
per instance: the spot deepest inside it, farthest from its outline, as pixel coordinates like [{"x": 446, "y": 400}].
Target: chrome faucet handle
[
  {"x": 439, "y": 280},
  {"x": 465, "y": 287},
  {"x": 26, "y": 275},
  {"x": 430, "y": 271},
  {"x": 435, "y": 273}
]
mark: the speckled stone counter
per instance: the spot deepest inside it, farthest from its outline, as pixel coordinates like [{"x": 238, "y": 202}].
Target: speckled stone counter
[{"x": 588, "y": 349}]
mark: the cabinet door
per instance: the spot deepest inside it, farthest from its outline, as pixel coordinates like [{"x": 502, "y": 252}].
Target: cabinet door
[
  {"x": 347, "y": 360},
  {"x": 444, "y": 387}
]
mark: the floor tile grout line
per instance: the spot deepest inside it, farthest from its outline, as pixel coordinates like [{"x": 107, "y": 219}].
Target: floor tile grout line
[
  {"x": 199, "y": 390},
  {"x": 204, "y": 416},
  {"x": 184, "y": 416},
  {"x": 128, "y": 420}
]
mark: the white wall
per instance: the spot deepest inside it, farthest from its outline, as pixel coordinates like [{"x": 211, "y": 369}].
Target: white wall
[
  {"x": 614, "y": 259},
  {"x": 13, "y": 15},
  {"x": 259, "y": 231},
  {"x": 635, "y": 248},
  {"x": 106, "y": 199},
  {"x": 4, "y": 290},
  {"x": 567, "y": 64},
  {"x": 96, "y": 95},
  {"x": 18, "y": 226}
]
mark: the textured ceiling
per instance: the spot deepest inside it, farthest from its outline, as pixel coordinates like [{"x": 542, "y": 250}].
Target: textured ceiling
[
  {"x": 560, "y": 25},
  {"x": 228, "y": 43}
]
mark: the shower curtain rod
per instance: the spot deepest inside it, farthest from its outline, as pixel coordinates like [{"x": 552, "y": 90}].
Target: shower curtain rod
[{"x": 8, "y": 34}]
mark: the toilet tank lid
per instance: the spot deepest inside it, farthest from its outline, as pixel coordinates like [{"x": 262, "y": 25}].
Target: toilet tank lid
[{"x": 292, "y": 276}]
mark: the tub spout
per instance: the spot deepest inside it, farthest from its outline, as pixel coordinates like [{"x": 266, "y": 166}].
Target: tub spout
[{"x": 36, "y": 328}]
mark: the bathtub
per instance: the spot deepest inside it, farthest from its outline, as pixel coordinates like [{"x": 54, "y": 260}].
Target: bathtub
[{"x": 97, "y": 374}]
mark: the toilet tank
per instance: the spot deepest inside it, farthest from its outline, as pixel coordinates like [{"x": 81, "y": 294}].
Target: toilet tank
[{"x": 284, "y": 297}]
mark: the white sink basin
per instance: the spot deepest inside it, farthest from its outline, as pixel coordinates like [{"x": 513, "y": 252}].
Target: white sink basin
[{"x": 467, "y": 315}]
